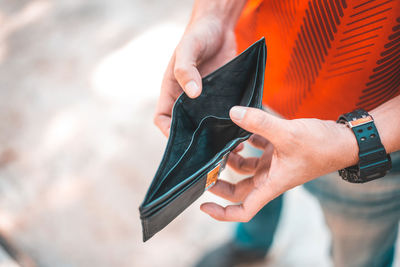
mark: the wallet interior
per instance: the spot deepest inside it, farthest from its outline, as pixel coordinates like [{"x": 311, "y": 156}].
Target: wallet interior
[{"x": 201, "y": 127}]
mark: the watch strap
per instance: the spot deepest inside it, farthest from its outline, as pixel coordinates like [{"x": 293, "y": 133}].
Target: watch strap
[{"x": 374, "y": 162}]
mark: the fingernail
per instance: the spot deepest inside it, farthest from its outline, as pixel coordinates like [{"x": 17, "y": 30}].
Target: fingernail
[
  {"x": 237, "y": 113},
  {"x": 192, "y": 89}
]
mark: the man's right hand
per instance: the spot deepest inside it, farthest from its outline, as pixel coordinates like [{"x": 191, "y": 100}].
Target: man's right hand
[{"x": 208, "y": 43}]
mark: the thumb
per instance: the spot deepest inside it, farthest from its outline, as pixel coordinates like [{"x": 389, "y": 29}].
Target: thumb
[
  {"x": 259, "y": 122},
  {"x": 185, "y": 69}
]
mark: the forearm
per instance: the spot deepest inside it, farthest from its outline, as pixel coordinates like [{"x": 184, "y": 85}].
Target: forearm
[
  {"x": 387, "y": 121},
  {"x": 226, "y": 11}
]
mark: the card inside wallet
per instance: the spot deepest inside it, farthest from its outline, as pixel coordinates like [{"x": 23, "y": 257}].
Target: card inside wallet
[{"x": 201, "y": 135}]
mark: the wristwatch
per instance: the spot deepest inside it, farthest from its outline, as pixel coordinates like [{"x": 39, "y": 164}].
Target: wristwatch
[{"x": 374, "y": 162}]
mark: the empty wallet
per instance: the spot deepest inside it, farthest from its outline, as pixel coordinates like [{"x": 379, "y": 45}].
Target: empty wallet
[{"x": 201, "y": 137}]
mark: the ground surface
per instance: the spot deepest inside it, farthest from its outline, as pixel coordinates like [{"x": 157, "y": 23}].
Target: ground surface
[{"x": 78, "y": 86}]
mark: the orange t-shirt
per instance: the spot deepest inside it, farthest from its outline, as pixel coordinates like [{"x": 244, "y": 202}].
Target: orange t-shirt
[{"x": 325, "y": 57}]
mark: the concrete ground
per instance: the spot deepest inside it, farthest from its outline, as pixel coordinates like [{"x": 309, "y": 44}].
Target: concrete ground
[{"x": 78, "y": 85}]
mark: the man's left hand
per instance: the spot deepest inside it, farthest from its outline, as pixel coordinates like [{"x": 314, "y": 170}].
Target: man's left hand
[{"x": 295, "y": 152}]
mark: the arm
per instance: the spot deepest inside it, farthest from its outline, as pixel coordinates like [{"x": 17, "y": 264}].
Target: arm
[
  {"x": 208, "y": 43},
  {"x": 295, "y": 152},
  {"x": 226, "y": 11},
  {"x": 387, "y": 121}
]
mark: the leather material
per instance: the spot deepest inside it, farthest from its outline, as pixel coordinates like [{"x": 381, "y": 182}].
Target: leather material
[{"x": 201, "y": 137}]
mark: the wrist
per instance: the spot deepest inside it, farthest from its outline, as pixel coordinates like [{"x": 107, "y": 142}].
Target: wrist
[
  {"x": 339, "y": 147},
  {"x": 386, "y": 128},
  {"x": 387, "y": 122},
  {"x": 224, "y": 12},
  {"x": 348, "y": 146}
]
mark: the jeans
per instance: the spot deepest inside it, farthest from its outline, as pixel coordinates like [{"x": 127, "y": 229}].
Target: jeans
[{"x": 363, "y": 219}]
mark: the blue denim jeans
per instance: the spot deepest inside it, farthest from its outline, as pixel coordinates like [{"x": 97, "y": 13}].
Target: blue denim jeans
[{"x": 363, "y": 219}]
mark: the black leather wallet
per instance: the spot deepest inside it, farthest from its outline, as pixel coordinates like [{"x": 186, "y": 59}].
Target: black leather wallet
[{"x": 201, "y": 137}]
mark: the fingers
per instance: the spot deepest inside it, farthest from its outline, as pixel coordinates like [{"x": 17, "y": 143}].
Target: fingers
[
  {"x": 258, "y": 141},
  {"x": 162, "y": 116},
  {"x": 236, "y": 213},
  {"x": 259, "y": 122},
  {"x": 163, "y": 122},
  {"x": 181, "y": 73},
  {"x": 170, "y": 91},
  {"x": 238, "y": 148},
  {"x": 257, "y": 198},
  {"x": 233, "y": 192},
  {"x": 185, "y": 69},
  {"x": 242, "y": 165}
]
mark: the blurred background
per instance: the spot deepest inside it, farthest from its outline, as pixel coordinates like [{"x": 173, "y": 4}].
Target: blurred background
[{"x": 79, "y": 81}]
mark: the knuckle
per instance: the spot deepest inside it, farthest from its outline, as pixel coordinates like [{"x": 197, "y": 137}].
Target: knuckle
[
  {"x": 240, "y": 162},
  {"x": 180, "y": 72},
  {"x": 254, "y": 138},
  {"x": 156, "y": 120},
  {"x": 232, "y": 160},
  {"x": 232, "y": 189},
  {"x": 257, "y": 140}
]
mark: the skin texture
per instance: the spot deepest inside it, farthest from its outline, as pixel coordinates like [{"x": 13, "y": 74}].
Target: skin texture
[{"x": 295, "y": 151}]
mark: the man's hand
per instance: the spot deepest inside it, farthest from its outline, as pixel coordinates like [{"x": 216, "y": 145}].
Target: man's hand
[
  {"x": 207, "y": 44},
  {"x": 295, "y": 152}
]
